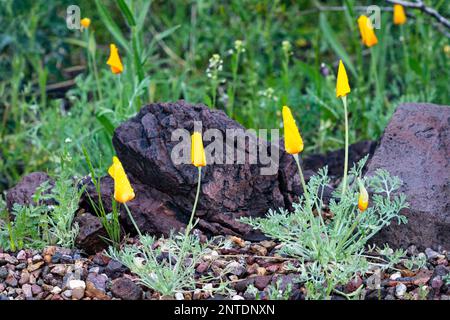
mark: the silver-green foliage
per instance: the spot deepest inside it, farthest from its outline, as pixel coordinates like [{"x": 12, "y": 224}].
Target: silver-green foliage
[
  {"x": 331, "y": 250},
  {"x": 163, "y": 265},
  {"x": 39, "y": 224},
  {"x": 66, "y": 195}
]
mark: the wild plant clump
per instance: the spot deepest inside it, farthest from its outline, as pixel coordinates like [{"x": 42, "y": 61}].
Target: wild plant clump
[
  {"x": 330, "y": 244},
  {"x": 40, "y": 224},
  {"x": 165, "y": 265}
]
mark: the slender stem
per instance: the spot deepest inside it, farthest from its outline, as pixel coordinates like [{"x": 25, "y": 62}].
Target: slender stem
[
  {"x": 11, "y": 239},
  {"x": 344, "y": 180},
  {"x": 302, "y": 178},
  {"x": 189, "y": 226},
  {"x": 132, "y": 220},
  {"x": 405, "y": 56}
]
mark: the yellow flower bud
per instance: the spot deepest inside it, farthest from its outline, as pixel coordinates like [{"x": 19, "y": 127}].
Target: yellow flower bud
[
  {"x": 366, "y": 30},
  {"x": 399, "y": 14},
  {"x": 293, "y": 142},
  {"x": 114, "y": 60},
  {"x": 197, "y": 152},
  {"x": 363, "y": 199},
  {"x": 85, "y": 22},
  {"x": 342, "y": 86},
  {"x": 123, "y": 192}
]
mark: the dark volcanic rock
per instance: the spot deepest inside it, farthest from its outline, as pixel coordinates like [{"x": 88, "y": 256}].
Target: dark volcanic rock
[
  {"x": 335, "y": 159},
  {"x": 23, "y": 192},
  {"x": 165, "y": 191},
  {"x": 126, "y": 289},
  {"x": 91, "y": 230},
  {"x": 416, "y": 147},
  {"x": 153, "y": 211}
]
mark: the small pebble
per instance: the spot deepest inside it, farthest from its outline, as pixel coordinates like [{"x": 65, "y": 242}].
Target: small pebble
[
  {"x": 179, "y": 296},
  {"x": 37, "y": 258},
  {"x": 400, "y": 290},
  {"x": 236, "y": 268},
  {"x": 59, "y": 269},
  {"x": 3, "y": 272},
  {"x": 431, "y": 254},
  {"x": 67, "y": 293},
  {"x": 56, "y": 290},
  {"x": 36, "y": 289},
  {"x": 27, "y": 291},
  {"x": 21, "y": 255}
]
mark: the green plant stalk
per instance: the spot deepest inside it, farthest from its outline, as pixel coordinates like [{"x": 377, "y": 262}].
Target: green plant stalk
[
  {"x": 375, "y": 73},
  {"x": 191, "y": 219},
  {"x": 234, "y": 83},
  {"x": 302, "y": 178},
  {"x": 189, "y": 226},
  {"x": 214, "y": 92},
  {"x": 285, "y": 78},
  {"x": 344, "y": 180},
  {"x": 405, "y": 55},
  {"x": 11, "y": 239},
  {"x": 132, "y": 220}
]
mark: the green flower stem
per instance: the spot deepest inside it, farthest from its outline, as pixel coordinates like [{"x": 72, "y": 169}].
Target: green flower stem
[
  {"x": 132, "y": 220},
  {"x": 344, "y": 180},
  {"x": 189, "y": 225},
  {"x": 405, "y": 56},
  {"x": 11, "y": 239},
  {"x": 302, "y": 178}
]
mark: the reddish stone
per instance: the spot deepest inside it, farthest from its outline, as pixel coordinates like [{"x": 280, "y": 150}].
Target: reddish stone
[{"x": 416, "y": 147}]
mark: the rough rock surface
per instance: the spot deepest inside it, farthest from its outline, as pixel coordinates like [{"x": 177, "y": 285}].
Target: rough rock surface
[
  {"x": 165, "y": 192},
  {"x": 126, "y": 289},
  {"x": 416, "y": 147},
  {"x": 23, "y": 192},
  {"x": 91, "y": 230}
]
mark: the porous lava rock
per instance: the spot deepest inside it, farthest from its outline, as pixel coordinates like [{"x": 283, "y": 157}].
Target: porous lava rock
[
  {"x": 23, "y": 192},
  {"x": 416, "y": 147}
]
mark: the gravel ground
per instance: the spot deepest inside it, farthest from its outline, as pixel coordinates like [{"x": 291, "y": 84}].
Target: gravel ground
[{"x": 63, "y": 274}]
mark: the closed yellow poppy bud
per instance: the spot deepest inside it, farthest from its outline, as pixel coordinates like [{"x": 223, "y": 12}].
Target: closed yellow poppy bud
[
  {"x": 198, "y": 157},
  {"x": 399, "y": 14},
  {"x": 114, "y": 60},
  {"x": 366, "y": 30},
  {"x": 363, "y": 199},
  {"x": 123, "y": 192},
  {"x": 342, "y": 86},
  {"x": 293, "y": 142},
  {"x": 85, "y": 22}
]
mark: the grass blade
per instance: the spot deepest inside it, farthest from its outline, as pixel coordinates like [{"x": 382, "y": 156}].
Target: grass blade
[
  {"x": 335, "y": 44},
  {"x": 112, "y": 26}
]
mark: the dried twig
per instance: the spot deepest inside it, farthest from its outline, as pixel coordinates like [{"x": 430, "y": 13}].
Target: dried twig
[{"x": 422, "y": 7}]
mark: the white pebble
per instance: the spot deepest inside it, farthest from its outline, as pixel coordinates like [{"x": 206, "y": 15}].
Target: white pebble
[
  {"x": 179, "y": 296},
  {"x": 400, "y": 290},
  {"x": 74, "y": 284}
]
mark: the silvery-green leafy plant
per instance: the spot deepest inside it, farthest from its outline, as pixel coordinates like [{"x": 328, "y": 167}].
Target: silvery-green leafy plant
[
  {"x": 331, "y": 250},
  {"x": 163, "y": 265}
]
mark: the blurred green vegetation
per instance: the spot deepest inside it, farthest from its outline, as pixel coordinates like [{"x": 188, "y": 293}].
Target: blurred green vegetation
[{"x": 166, "y": 48}]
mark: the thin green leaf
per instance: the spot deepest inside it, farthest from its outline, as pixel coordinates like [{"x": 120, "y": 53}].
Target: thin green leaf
[
  {"x": 143, "y": 14},
  {"x": 112, "y": 26},
  {"x": 126, "y": 12},
  {"x": 335, "y": 44}
]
